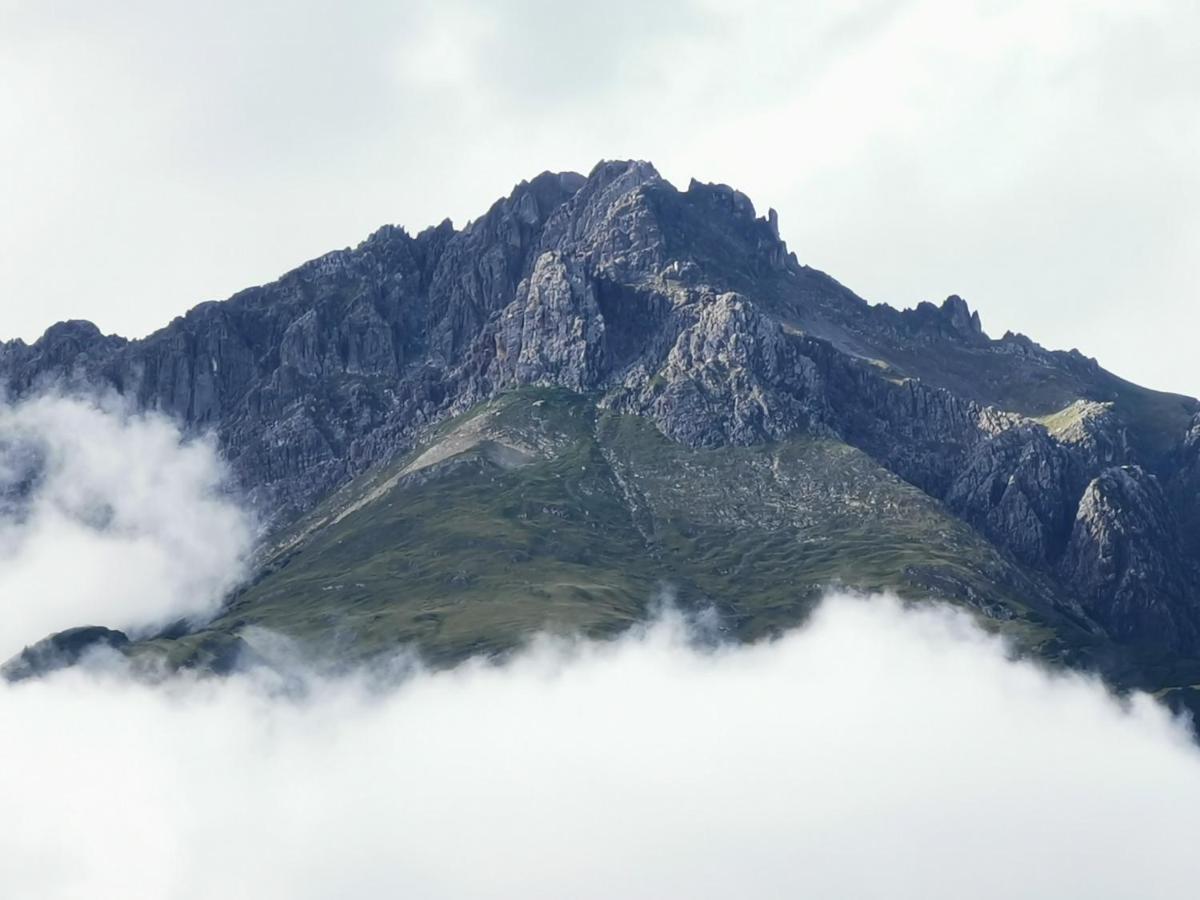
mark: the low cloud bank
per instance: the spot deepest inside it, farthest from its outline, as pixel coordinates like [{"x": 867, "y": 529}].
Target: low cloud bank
[
  {"x": 111, "y": 518},
  {"x": 878, "y": 752}
]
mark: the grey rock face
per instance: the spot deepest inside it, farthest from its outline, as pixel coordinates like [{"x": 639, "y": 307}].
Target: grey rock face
[
  {"x": 922, "y": 433},
  {"x": 1185, "y": 489},
  {"x": 952, "y": 319},
  {"x": 730, "y": 377},
  {"x": 1018, "y": 489},
  {"x": 1123, "y": 561},
  {"x": 687, "y": 308},
  {"x": 553, "y": 332},
  {"x": 609, "y": 224},
  {"x": 1095, "y": 432}
]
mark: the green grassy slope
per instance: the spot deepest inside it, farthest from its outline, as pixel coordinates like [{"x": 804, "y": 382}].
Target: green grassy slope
[{"x": 539, "y": 511}]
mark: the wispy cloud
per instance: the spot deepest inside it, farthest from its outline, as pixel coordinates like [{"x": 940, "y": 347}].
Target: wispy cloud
[{"x": 110, "y": 518}]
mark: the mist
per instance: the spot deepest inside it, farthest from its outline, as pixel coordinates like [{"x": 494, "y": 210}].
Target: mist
[
  {"x": 110, "y": 517},
  {"x": 883, "y": 750}
]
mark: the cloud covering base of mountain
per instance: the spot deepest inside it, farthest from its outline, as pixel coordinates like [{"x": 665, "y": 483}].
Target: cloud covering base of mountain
[
  {"x": 878, "y": 752},
  {"x": 110, "y": 517}
]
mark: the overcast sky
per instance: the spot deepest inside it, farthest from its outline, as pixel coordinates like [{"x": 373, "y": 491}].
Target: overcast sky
[{"x": 1037, "y": 158}]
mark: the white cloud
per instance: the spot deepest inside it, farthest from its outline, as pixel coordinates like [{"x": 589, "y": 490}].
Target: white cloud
[
  {"x": 1037, "y": 159},
  {"x": 876, "y": 753},
  {"x": 113, "y": 519}
]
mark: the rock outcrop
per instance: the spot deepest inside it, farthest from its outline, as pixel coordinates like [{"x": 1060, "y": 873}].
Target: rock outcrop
[
  {"x": 1018, "y": 488},
  {"x": 1124, "y": 562},
  {"x": 730, "y": 377}
]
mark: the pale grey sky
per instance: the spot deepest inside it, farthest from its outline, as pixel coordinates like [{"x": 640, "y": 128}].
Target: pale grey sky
[{"x": 1038, "y": 158}]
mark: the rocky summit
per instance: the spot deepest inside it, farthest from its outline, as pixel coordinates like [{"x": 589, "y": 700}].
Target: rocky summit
[{"x": 606, "y": 388}]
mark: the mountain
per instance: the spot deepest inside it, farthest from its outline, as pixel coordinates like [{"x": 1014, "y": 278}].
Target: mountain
[{"x": 605, "y": 389}]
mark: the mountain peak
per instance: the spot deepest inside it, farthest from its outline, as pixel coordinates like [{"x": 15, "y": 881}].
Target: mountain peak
[
  {"x": 79, "y": 330},
  {"x": 630, "y": 172},
  {"x": 722, "y": 195},
  {"x": 962, "y": 319},
  {"x": 682, "y": 310}
]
